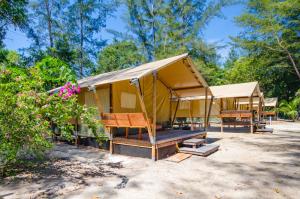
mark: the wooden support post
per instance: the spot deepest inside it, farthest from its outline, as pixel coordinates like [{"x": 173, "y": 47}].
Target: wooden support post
[
  {"x": 191, "y": 114},
  {"x": 154, "y": 113},
  {"x": 111, "y": 144},
  {"x": 153, "y": 152},
  {"x": 111, "y": 110},
  {"x": 140, "y": 134},
  {"x": 221, "y": 109},
  {"x": 143, "y": 107},
  {"x": 111, "y": 147},
  {"x": 205, "y": 110},
  {"x": 259, "y": 108},
  {"x": 170, "y": 111},
  {"x": 251, "y": 109},
  {"x": 174, "y": 117},
  {"x": 209, "y": 109},
  {"x": 126, "y": 132}
]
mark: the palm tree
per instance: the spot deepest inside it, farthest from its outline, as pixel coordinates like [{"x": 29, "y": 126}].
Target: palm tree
[{"x": 290, "y": 109}]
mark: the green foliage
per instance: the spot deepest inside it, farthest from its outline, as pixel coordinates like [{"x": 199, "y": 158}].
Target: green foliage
[
  {"x": 165, "y": 28},
  {"x": 119, "y": 55},
  {"x": 12, "y": 12},
  {"x": 290, "y": 109},
  {"x": 270, "y": 44},
  {"x": 27, "y": 111},
  {"x": 54, "y": 72},
  {"x": 84, "y": 20}
]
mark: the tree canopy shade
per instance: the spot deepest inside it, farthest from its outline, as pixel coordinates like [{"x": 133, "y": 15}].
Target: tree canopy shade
[{"x": 12, "y": 12}]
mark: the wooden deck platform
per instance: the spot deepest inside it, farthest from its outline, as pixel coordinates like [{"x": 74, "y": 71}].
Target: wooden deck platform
[
  {"x": 166, "y": 143},
  {"x": 161, "y": 137}
]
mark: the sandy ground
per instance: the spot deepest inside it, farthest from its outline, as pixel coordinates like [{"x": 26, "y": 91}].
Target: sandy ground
[{"x": 246, "y": 166}]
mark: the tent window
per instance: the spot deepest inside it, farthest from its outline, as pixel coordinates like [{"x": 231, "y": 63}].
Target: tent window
[
  {"x": 128, "y": 100},
  {"x": 184, "y": 105}
]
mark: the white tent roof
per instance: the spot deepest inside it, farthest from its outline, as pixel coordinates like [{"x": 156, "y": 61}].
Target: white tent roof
[
  {"x": 272, "y": 102},
  {"x": 236, "y": 90},
  {"x": 178, "y": 72},
  {"x": 133, "y": 72}
]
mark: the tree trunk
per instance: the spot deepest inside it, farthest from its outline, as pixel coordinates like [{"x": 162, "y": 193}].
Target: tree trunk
[
  {"x": 293, "y": 63},
  {"x": 81, "y": 39},
  {"x": 49, "y": 21}
]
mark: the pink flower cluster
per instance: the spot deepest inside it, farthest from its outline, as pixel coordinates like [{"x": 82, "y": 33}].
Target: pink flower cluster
[{"x": 68, "y": 90}]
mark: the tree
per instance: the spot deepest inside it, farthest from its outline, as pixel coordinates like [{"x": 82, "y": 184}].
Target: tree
[
  {"x": 272, "y": 27},
  {"x": 163, "y": 28},
  {"x": 12, "y": 12},
  {"x": 45, "y": 22},
  {"x": 63, "y": 50},
  {"x": 290, "y": 109},
  {"x": 27, "y": 112},
  {"x": 117, "y": 56},
  {"x": 85, "y": 20},
  {"x": 232, "y": 57},
  {"x": 54, "y": 72}
]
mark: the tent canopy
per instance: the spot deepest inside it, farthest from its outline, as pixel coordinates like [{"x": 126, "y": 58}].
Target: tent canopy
[
  {"x": 177, "y": 73},
  {"x": 236, "y": 90},
  {"x": 271, "y": 102},
  {"x": 119, "y": 91}
]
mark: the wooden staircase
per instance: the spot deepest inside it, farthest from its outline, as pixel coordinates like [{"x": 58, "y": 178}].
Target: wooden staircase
[
  {"x": 260, "y": 127},
  {"x": 198, "y": 147}
]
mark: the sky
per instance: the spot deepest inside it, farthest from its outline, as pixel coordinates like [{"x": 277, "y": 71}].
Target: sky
[{"x": 218, "y": 30}]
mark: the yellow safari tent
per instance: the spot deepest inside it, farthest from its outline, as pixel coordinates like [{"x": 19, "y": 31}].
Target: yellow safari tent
[
  {"x": 270, "y": 105},
  {"x": 237, "y": 103},
  {"x": 135, "y": 104}
]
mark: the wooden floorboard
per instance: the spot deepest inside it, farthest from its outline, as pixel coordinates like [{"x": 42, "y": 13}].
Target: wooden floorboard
[{"x": 178, "y": 157}]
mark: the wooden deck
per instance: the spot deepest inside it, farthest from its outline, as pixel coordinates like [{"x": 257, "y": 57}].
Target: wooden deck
[
  {"x": 162, "y": 137},
  {"x": 166, "y": 142}
]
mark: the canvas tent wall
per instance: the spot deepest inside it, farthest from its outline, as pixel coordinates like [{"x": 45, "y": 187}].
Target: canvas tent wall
[
  {"x": 238, "y": 101},
  {"x": 195, "y": 107},
  {"x": 146, "y": 89},
  {"x": 270, "y": 105},
  {"x": 176, "y": 76}
]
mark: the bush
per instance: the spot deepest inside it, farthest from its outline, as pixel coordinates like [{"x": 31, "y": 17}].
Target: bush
[{"x": 27, "y": 112}]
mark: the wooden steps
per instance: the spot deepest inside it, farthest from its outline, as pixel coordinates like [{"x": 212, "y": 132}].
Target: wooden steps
[
  {"x": 198, "y": 147},
  {"x": 204, "y": 150},
  {"x": 264, "y": 130},
  {"x": 193, "y": 142}
]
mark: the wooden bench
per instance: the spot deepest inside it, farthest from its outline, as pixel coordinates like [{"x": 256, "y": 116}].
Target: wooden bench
[
  {"x": 125, "y": 120},
  {"x": 236, "y": 113}
]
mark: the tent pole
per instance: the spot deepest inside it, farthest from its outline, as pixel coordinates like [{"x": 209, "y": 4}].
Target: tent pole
[
  {"x": 251, "y": 109},
  {"x": 221, "y": 109},
  {"x": 170, "y": 111},
  {"x": 191, "y": 115},
  {"x": 174, "y": 116},
  {"x": 259, "y": 108},
  {"x": 154, "y": 115},
  {"x": 209, "y": 109},
  {"x": 136, "y": 82},
  {"x": 205, "y": 110},
  {"x": 111, "y": 99}
]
